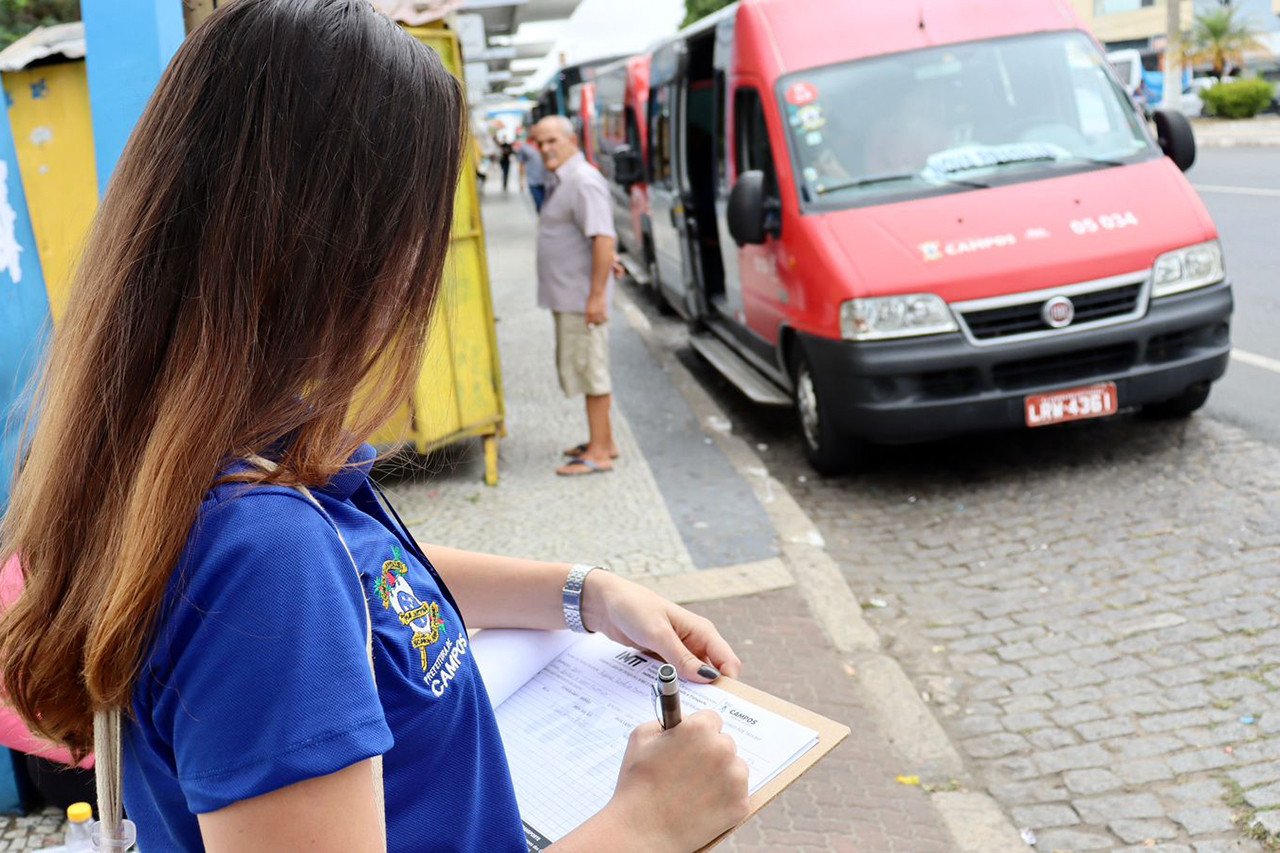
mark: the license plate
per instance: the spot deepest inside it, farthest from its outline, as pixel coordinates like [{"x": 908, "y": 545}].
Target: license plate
[{"x": 1073, "y": 404}]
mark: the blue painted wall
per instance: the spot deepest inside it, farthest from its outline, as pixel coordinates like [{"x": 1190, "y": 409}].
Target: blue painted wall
[
  {"x": 24, "y": 307},
  {"x": 129, "y": 43}
]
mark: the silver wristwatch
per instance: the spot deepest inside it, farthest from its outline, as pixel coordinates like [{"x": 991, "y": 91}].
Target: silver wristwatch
[{"x": 571, "y": 596}]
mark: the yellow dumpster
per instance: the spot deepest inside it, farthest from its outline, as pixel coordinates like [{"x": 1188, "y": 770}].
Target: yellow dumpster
[{"x": 459, "y": 392}]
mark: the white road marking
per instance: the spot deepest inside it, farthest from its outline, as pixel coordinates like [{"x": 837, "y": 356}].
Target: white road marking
[
  {"x": 1269, "y": 192},
  {"x": 1272, "y": 364}
]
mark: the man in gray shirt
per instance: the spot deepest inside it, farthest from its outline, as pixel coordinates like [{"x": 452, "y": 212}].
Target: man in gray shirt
[
  {"x": 575, "y": 273},
  {"x": 532, "y": 172}
]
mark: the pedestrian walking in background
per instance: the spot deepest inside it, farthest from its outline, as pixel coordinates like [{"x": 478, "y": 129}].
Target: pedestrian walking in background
[
  {"x": 482, "y": 164},
  {"x": 505, "y": 151},
  {"x": 575, "y": 277},
  {"x": 533, "y": 173},
  {"x": 212, "y": 582}
]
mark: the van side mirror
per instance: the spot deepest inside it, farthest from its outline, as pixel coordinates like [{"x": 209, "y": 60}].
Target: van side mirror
[
  {"x": 1176, "y": 137},
  {"x": 752, "y": 217},
  {"x": 627, "y": 169}
]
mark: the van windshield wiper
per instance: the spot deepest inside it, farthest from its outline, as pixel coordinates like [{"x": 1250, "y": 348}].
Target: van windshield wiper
[{"x": 886, "y": 179}]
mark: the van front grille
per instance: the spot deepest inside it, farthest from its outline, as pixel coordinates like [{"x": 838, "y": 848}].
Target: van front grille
[{"x": 1024, "y": 318}]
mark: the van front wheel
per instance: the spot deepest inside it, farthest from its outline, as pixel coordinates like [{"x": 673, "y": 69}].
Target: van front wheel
[{"x": 827, "y": 450}]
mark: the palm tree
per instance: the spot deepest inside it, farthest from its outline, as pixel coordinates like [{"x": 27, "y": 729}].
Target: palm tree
[{"x": 1221, "y": 38}]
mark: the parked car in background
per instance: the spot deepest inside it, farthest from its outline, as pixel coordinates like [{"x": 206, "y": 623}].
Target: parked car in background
[{"x": 916, "y": 220}]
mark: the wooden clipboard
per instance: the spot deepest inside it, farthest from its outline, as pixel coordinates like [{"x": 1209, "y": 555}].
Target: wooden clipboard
[{"x": 830, "y": 733}]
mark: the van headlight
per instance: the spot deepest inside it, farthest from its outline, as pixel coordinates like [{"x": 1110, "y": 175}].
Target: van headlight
[
  {"x": 1187, "y": 269},
  {"x": 895, "y": 317}
]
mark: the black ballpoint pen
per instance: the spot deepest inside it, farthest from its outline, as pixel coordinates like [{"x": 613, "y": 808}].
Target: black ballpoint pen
[{"x": 667, "y": 688}]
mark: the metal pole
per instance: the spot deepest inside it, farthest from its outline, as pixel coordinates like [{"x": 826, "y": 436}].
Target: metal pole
[{"x": 1173, "y": 57}]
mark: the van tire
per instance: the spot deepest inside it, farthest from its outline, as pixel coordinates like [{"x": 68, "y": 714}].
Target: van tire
[
  {"x": 1181, "y": 406},
  {"x": 828, "y": 451}
]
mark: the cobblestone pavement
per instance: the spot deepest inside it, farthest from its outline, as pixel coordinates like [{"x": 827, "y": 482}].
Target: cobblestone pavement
[
  {"x": 848, "y": 802},
  {"x": 1090, "y": 611},
  {"x": 33, "y": 832}
]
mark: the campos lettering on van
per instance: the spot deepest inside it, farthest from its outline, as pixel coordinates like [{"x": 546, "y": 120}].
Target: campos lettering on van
[
  {"x": 979, "y": 244},
  {"x": 936, "y": 251}
]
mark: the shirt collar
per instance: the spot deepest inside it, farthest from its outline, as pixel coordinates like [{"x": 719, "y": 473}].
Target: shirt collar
[
  {"x": 572, "y": 163},
  {"x": 352, "y": 475}
]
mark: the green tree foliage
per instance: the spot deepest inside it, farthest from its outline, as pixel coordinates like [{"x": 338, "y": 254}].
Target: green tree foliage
[
  {"x": 697, "y": 9},
  {"x": 1238, "y": 98},
  {"x": 1221, "y": 37},
  {"x": 19, "y": 17}
]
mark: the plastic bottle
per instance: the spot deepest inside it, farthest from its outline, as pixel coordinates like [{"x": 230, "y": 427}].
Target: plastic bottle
[
  {"x": 79, "y": 837},
  {"x": 79, "y": 828}
]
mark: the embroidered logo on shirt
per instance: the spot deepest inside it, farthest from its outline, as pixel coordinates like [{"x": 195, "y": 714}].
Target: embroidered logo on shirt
[{"x": 426, "y": 622}]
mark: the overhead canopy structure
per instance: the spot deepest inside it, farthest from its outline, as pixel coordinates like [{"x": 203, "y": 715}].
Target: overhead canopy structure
[
  {"x": 504, "y": 17},
  {"x": 497, "y": 54}
]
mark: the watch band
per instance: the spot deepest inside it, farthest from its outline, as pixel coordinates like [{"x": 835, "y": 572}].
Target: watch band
[{"x": 571, "y": 597}]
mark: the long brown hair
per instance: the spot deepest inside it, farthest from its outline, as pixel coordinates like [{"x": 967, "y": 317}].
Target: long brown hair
[{"x": 271, "y": 243}]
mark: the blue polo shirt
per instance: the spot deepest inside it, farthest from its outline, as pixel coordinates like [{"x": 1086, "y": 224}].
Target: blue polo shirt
[{"x": 258, "y": 676}]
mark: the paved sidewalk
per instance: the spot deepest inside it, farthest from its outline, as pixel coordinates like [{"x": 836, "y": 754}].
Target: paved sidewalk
[{"x": 1261, "y": 131}]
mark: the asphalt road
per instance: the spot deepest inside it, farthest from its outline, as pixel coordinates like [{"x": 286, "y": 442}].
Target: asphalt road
[{"x": 1241, "y": 188}]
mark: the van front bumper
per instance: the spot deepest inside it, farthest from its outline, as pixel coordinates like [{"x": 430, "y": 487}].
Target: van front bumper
[{"x": 924, "y": 388}]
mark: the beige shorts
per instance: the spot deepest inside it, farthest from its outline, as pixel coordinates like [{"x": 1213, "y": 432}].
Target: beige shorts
[{"x": 582, "y": 355}]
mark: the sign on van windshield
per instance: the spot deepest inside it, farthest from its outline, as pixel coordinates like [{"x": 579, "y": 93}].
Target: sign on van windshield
[{"x": 959, "y": 117}]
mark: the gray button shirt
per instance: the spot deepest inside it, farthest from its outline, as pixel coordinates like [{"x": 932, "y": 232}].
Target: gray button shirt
[
  {"x": 577, "y": 209},
  {"x": 535, "y": 171}
]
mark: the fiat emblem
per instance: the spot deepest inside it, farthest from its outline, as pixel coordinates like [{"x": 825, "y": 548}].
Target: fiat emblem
[{"x": 1058, "y": 312}]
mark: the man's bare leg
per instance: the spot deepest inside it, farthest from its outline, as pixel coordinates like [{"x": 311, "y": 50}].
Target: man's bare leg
[
  {"x": 600, "y": 443},
  {"x": 600, "y": 446},
  {"x": 601, "y": 449}
]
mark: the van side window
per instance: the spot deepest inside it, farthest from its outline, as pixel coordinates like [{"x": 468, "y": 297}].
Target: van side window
[
  {"x": 751, "y": 137},
  {"x": 660, "y": 136}
]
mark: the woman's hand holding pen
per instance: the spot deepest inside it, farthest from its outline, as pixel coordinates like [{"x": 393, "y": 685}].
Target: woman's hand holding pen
[
  {"x": 677, "y": 789},
  {"x": 633, "y": 615}
]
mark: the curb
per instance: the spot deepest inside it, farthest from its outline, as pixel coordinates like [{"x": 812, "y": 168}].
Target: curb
[
  {"x": 976, "y": 822},
  {"x": 1239, "y": 142}
]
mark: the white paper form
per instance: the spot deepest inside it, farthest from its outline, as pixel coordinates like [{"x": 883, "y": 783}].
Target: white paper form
[
  {"x": 566, "y": 729},
  {"x": 508, "y": 657}
]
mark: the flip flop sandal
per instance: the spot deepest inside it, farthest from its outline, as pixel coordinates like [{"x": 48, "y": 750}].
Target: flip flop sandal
[{"x": 592, "y": 468}]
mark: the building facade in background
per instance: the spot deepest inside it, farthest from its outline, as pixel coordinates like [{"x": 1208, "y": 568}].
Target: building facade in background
[{"x": 1141, "y": 23}]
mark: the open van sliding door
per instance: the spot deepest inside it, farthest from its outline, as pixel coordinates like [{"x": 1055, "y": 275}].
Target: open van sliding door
[
  {"x": 666, "y": 206},
  {"x": 730, "y": 303}
]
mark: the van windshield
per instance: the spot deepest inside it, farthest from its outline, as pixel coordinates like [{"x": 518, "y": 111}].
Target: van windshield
[{"x": 964, "y": 116}]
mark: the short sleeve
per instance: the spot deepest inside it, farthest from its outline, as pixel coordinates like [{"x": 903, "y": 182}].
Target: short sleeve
[
  {"x": 269, "y": 680},
  {"x": 592, "y": 208}
]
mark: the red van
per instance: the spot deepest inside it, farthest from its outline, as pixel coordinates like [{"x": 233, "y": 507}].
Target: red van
[
  {"x": 918, "y": 219},
  {"x": 621, "y": 142}
]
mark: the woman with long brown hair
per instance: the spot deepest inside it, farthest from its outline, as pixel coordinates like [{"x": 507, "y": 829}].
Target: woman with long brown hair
[{"x": 200, "y": 541}]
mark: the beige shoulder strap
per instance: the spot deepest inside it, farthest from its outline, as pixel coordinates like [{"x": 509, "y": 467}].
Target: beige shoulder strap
[
  {"x": 378, "y": 793},
  {"x": 106, "y": 729}
]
